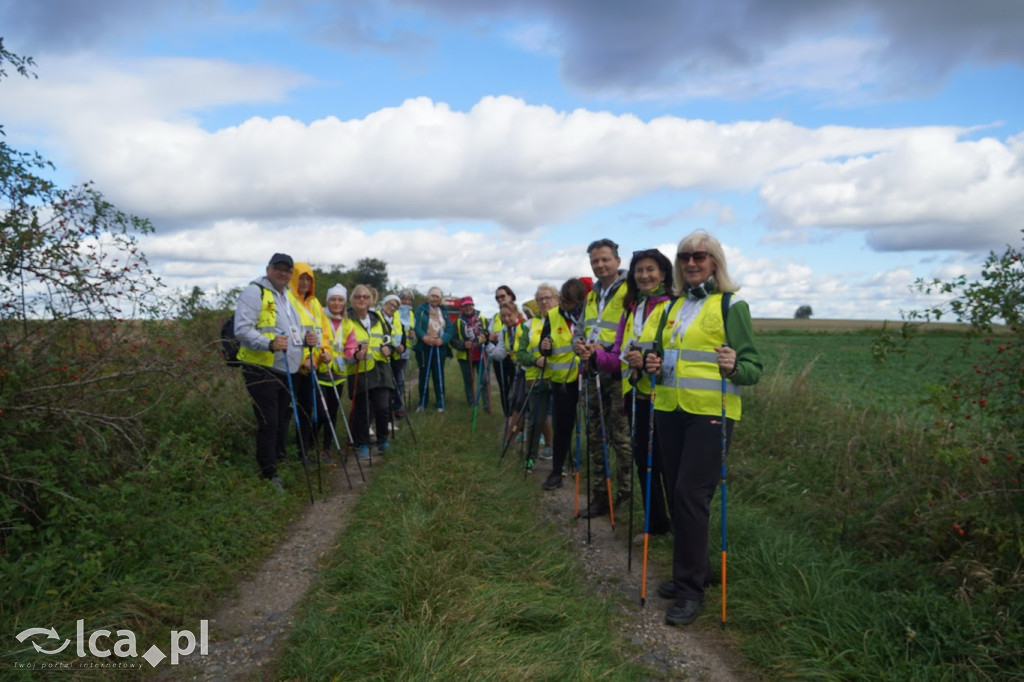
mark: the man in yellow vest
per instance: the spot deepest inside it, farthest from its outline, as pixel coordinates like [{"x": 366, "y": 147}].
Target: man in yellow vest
[
  {"x": 270, "y": 345},
  {"x": 601, "y": 322}
]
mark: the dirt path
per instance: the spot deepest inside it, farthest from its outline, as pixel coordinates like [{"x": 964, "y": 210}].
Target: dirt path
[
  {"x": 247, "y": 630},
  {"x": 696, "y": 652}
]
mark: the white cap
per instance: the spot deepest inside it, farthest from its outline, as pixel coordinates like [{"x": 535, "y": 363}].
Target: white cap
[
  {"x": 389, "y": 297},
  {"x": 337, "y": 290}
]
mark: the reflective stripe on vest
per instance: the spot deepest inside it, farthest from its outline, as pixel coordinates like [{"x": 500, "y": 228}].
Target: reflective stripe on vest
[
  {"x": 362, "y": 336},
  {"x": 608, "y": 323},
  {"x": 266, "y": 324},
  {"x": 533, "y": 346},
  {"x": 562, "y": 362},
  {"x": 646, "y": 343},
  {"x": 696, "y": 384}
]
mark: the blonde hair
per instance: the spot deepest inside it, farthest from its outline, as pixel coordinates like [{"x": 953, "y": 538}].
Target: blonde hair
[{"x": 702, "y": 241}]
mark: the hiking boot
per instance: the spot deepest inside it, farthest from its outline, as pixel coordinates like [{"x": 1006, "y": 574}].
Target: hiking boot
[
  {"x": 545, "y": 452},
  {"x": 278, "y": 485},
  {"x": 597, "y": 507},
  {"x": 683, "y": 612},
  {"x": 364, "y": 452},
  {"x": 668, "y": 590},
  {"x": 553, "y": 481}
]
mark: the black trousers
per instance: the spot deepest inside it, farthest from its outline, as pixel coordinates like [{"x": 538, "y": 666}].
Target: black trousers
[
  {"x": 271, "y": 404},
  {"x": 659, "y": 516},
  {"x": 563, "y": 421},
  {"x": 303, "y": 386},
  {"x": 376, "y": 402},
  {"x": 691, "y": 453},
  {"x": 505, "y": 373}
]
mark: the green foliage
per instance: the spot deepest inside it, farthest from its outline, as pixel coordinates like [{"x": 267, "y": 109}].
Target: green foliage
[
  {"x": 804, "y": 312},
  {"x": 369, "y": 271},
  {"x": 876, "y": 545}
]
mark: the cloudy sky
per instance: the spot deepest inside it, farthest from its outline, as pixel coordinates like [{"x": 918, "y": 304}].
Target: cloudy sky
[{"x": 838, "y": 149}]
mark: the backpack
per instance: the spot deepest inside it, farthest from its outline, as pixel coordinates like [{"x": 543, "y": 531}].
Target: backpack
[{"x": 228, "y": 344}]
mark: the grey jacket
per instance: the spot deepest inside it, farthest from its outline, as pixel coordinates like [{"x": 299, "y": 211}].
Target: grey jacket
[{"x": 247, "y": 312}]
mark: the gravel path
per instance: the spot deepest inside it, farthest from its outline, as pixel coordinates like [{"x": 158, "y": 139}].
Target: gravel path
[
  {"x": 697, "y": 652},
  {"x": 247, "y": 629}
]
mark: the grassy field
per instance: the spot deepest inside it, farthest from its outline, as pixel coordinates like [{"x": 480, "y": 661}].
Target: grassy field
[{"x": 864, "y": 542}]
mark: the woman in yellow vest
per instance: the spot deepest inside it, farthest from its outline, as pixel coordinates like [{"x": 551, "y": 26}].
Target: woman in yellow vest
[
  {"x": 312, "y": 319},
  {"x": 343, "y": 345},
  {"x": 369, "y": 381},
  {"x": 562, "y": 326},
  {"x": 706, "y": 335},
  {"x": 648, "y": 294},
  {"x": 501, "y": 350},
  {"x": 534, "y": 365}
]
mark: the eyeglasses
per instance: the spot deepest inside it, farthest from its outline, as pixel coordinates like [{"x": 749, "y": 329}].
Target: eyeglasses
[
  {"x": 360, "y": 296},
  {"x": 697, "y": 256},
  {"x": 545, "y": 298}
]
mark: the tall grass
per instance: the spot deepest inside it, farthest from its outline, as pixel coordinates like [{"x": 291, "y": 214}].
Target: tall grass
[{"x": 850, "y": 553}]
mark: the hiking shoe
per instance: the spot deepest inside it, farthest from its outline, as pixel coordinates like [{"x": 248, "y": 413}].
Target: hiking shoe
[
  {"x": 597, "y": 507},
  {"x": 325, "y": 457},
  {"x": 519, "y": 437},
  {"x": 383, "y": 446},
  {"x": 440, "y": 410},
  {"x": 364, "y": 452},
  {"x": 278, "y": 485},
  {"x": 529, "y": 466},
  {"x": 545, "y": 452},
  {"x": 419, "y": 409},
  {"x": 553, "y": 481},
  {"x": 399, "y": 414},
  {"x": 668, "y": 589},
  {"x": 683, "y": 612}
]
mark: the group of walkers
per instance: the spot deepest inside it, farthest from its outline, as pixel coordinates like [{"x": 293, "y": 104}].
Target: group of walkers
[{"x": 653, "y": 356}]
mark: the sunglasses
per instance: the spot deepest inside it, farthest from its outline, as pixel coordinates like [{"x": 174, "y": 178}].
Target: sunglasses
[{"x": 697, "y": 256}]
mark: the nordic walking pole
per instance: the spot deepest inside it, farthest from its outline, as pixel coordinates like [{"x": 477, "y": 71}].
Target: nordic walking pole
[
  {"x": 351, "y": 441},
  {"x": 425, "y": 388},
  {"x": 407, "y": 420},
  {"x": 632, "y": 440},
  {"x": 604, "y": 451},
  {"x": 334, "y": 435},
  {"x": 312, "y": 430},
  {"x": 725, "y": 545},
  {"x": 366, "y": 399},
  {"x": 522, "y": 412},
  {"x": 298, "y": 428},
  {"x": 579, "y": 397},
  {"x": 477, "y": 391},
  {"x": 586, "y": 414},
  {"x": 647, "y": 502},
  {"x": 440, "y": 373}
]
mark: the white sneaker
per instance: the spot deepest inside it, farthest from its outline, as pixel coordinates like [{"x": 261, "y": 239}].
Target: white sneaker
[{"x": 545, "y": 452}]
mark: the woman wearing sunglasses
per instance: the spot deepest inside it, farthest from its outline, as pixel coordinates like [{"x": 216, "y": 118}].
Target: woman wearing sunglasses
[{"x": 705, "y": 336}]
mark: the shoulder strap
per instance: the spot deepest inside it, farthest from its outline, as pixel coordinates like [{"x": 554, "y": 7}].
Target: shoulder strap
[
  {"x": 661, "y": 325},
  {"x": 726, "y": 298}
]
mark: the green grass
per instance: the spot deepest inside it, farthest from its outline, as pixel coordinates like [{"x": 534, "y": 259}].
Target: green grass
[{"x": 445, "y": 572}]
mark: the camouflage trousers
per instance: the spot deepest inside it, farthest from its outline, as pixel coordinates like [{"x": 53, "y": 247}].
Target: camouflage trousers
[{"x": 616, "y": 428}]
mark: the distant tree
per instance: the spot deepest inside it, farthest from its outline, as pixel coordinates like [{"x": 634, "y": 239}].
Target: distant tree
[
  {"x": 804, "y": 312},
  {"x": 370, "y": 271}
]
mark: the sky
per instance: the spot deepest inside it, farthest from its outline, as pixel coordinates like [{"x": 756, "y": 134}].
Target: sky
[{"x": 839, "y": 150}]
